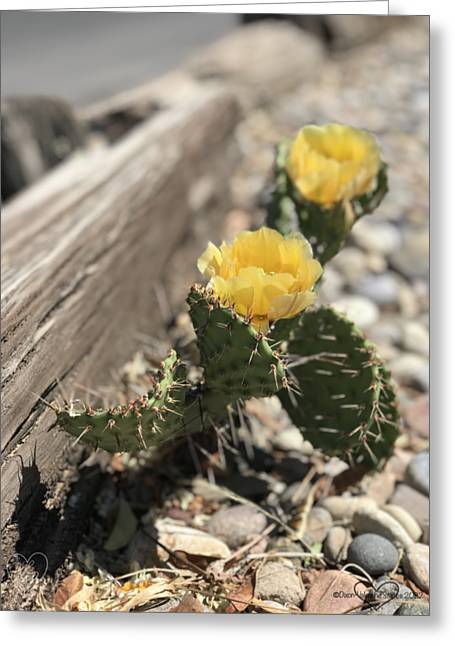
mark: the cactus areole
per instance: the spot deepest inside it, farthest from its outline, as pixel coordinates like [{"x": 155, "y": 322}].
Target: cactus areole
[{"x": 257, "y": 329}]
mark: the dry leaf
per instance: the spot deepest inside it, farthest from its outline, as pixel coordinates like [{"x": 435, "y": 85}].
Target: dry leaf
[
  {"x": 81, "y": 600},
  {"x": 155, "y": 591},
  {"x": 189, "y": 603},
  {"x": 240, "y": 597},
  {"x": 67, "y": 588}
]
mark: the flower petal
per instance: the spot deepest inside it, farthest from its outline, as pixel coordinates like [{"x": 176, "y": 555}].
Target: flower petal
[
  {"x": 286, "y": 306},
  {"x": 262, "y": 275},
  {"x": 333, "y": 162},
  {"x": 258, "y": 249},
  {"x": 210, "y": 262}
]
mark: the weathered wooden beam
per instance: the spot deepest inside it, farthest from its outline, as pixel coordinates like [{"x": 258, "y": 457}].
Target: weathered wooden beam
[{"x": 84, "y": 252}]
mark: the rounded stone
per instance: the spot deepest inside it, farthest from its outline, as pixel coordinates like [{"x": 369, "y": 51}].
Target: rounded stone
[
  {"x": 411, "y": 370},
  {"x": 416, "y": 337},
  {"x": 418, "y": 473},
  {"x": 416, "y": 564},
  {"x": 413, "y": 259},
  {"x": 425, "y": 534},
  {"x": 362, "y": 311},
  {"x": 377, "y": 521},
  {"x": 386, "y": 596},
  {"x": 336, "y": 544},
  {"x": 374, "y": 553},
  {"x": 351, "y": 262},
  {"x": 380, "y": 237},
  {"x": 237, "y": 525},
  {"x": 406, "y": 520},
  {"x": 278, "y": 581},
  {"x": 386, "y": 331},
  {"x": 415, "y": 503},
  {"x": 290, "y": 439},
  {"x": 379, "y": 486},
  {"x": 381, "y": 289},
  {"x": 376, "y": 263},
  {"x": 416, "y": 608},
  {"x": 417, "y": 415},
  {"x": 344, "y": 507}
]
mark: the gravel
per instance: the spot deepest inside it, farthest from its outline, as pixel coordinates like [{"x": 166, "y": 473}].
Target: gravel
[
  {"x": 373, "y": 553},
  {"x": 336, "y": 544},
  {"x": 418, "y": 473},
  {"x": 362, "y": 311},
  {"x": 278, "y": 581},
  {"x": 415, "y": 503},
  {"x": 237, "y": 525},
  {"x": 406, "y": 520},
  {"x": 344, "y": 507},
  {"x": 416, "y": 564},
  {"x": 376, "y": 521}
]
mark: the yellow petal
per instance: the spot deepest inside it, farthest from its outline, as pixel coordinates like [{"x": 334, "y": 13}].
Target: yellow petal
[
  {"x": 262, "y": 275},
  {"x": 294, "y": 252},
  {"x": 286, "y": 306},
  {"x": 210, "y": 262},
  {"x": 308, "y": 275},
  {"x": 233, "y": 292},
  {"x": 265, "y": 287},
  {"x": 258, "y": 249},
  {"x": 332, "y": 163}
]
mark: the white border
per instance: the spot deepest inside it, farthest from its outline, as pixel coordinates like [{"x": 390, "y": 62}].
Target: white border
[
  {"x": 379, "y": 7},
  {"x": 75, "y": 629}
]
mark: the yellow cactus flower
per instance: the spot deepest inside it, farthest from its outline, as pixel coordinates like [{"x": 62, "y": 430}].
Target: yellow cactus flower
[
  {"x": 333, "y": 163},
  {"x": 262, "y": 275}
]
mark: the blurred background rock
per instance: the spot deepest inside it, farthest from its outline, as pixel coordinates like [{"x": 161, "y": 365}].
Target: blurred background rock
[{"x": 81, "y": 57}]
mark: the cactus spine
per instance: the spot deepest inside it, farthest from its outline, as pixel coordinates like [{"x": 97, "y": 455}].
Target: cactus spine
[
  {"x": 238, "y": 361},
  {"x": 328, "y": 377},
  {"x": 341, "y": 395},
  {"x": 346, "y": 405},
  {"x": 145, "y": 423}
]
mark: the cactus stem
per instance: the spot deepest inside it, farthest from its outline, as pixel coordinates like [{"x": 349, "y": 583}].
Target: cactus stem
[{"x": 361, "y": 409}]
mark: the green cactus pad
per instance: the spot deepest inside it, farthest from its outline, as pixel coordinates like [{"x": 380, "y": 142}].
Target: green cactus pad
[
  {"x": 145, "y": 423},
  {"x": 325, "y": 228},
  {"x": 238, "y": 361},
  {"x": 346, "y": 403}
]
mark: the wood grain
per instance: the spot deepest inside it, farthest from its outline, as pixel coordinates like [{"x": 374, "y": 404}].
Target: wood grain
[{"x": 84, "y": 253}]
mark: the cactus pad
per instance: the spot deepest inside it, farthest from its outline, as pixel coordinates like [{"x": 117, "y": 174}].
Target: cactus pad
[
  {"x": 145, "y": 423},
  {"x": 238, "y": 361},
  {"x": 325, "y": 228},
  {"x": 346, "y": 405}
]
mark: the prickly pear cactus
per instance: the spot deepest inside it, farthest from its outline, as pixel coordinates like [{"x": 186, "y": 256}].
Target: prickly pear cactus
[
  {"x": 145, "y": 423},
  {"x": 325, "y": 228},
  {"x": 238, "y": 361},
  {"x": 346, "y": 405},
  {"x": 328, "y": 377}
]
